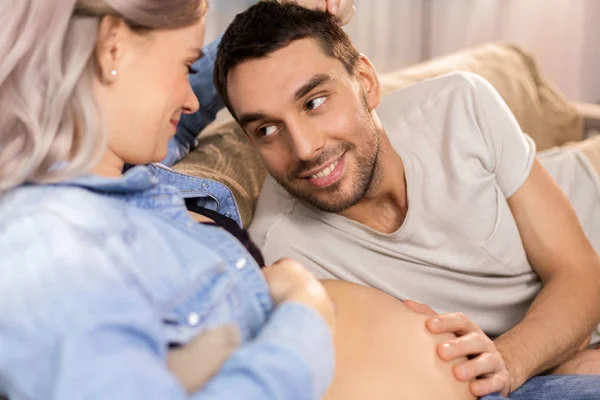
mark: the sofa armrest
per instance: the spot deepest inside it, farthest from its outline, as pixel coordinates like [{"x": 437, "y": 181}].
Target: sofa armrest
[{"x": 590, "y": 114}]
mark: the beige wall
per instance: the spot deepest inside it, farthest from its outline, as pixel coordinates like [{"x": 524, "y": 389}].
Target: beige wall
[{"x": 564, "y": 35}]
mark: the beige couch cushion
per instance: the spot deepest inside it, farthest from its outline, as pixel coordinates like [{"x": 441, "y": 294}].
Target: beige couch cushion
[
  {"x": 542, "y": 111},
  {"x": 224, "y": 153}
]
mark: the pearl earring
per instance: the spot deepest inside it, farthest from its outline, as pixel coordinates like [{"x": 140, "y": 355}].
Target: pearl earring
[{"x": 113, "y": 72}]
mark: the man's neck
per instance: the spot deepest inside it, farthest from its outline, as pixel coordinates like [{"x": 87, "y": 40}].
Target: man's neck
[{"x": 385, "y": 205}]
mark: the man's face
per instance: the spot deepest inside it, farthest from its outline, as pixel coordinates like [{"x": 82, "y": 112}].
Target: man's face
[{"x": 311, "y": 122}]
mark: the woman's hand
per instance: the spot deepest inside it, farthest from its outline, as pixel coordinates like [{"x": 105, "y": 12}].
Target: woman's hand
[
  {"x": 485, "y": 366},
  {"x": 343, "y": 10},
  {"x": 289, "y": 281}
]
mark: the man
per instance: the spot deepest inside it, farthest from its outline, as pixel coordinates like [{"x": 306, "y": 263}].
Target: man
[{"x": 437, "y": 197}]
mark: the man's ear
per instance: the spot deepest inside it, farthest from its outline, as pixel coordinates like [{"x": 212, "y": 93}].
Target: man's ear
[
  {"x": 110, "y": 47},
  {"x": 369, "y": 81}
]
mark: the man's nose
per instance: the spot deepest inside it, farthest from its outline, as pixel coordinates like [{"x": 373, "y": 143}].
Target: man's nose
[{"x": 306, "y": 142}]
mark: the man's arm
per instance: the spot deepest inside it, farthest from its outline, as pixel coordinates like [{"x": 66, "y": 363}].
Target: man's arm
[
  {"x": 191, "y": 125},
  {"x": 568, "y": 307}
]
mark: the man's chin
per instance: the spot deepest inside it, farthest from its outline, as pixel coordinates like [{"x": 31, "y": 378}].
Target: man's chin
[
  {"x": 323, "y": 199},
  {"x": 327, "y": 205}
]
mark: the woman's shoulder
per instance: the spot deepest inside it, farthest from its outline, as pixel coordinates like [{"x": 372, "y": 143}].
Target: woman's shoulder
[
  {"x": 54, "y": 249},
  {"x": 44, "y": 208},
  {"x": 52, "y": 226}
]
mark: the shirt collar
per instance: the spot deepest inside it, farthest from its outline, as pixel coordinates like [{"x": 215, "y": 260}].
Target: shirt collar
[{"x": 136, "y": 179}]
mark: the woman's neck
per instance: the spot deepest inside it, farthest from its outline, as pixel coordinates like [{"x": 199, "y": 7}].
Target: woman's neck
[{"x": 109, "y": 165}]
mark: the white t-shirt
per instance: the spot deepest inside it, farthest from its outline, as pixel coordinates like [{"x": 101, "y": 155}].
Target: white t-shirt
[{"x": 459, "y": 248}]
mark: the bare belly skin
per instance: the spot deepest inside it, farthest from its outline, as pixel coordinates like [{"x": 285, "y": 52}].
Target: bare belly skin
[{"x": 384, "y": 351}]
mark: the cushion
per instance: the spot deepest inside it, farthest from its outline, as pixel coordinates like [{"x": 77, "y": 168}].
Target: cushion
[
  {"x": 225, "y": 154},
  {"x": 541, "y": 110}
]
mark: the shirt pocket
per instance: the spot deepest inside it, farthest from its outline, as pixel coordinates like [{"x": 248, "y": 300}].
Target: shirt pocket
[
  {"x": 504, "y": 243},
  {"x": 213, "y": 300}
]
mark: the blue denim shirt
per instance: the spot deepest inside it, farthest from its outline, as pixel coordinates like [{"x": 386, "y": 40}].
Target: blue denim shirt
[{"x": 98, "y": 275}]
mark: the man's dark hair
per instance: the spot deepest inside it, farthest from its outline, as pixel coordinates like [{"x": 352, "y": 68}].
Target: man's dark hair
[{"x": 269, "y": 26}]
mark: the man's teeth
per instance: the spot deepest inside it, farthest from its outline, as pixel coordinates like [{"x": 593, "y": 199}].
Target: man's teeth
[{"x": 325, "y": 172}]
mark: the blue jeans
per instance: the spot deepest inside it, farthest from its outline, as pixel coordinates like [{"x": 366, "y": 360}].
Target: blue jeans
[{"x": 556, "y": 387}]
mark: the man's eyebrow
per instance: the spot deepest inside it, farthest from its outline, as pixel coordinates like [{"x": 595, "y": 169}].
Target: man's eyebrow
[
  {"x": 246, "y": 119},
  {"x": 310, "y": 85}
]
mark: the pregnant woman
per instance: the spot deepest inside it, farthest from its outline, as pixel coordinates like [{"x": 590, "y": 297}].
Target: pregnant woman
[{"x": 109, "y": 285}]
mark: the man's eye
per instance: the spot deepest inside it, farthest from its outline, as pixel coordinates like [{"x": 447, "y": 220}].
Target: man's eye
[
  {"x": 191, "y": 70},
  {"x": 315, "y": 103},
  {"x": 267, "y": 130}
]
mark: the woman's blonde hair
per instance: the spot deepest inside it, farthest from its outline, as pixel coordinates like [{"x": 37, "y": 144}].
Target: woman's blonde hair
[{"x": 50, "y": 129}]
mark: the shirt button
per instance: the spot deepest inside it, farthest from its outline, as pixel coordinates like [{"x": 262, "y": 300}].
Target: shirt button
[
  {"x": 228, "y": 214},
  {"x": 152, "y": 177},
  {"x": 204, "y": 186},
  {"x": 241, "y": 263},
  {"x": 193, "y": 319}
]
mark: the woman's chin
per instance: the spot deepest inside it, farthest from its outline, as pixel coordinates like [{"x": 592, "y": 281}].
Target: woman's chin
[{"x": 157, "y": 157}]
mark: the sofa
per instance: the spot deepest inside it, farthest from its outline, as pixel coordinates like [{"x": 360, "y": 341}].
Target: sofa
[{"x": 225, "y": 155}]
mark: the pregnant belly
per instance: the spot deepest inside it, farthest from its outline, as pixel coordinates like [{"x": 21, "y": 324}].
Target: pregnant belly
[{"x": 384, "y": 351}]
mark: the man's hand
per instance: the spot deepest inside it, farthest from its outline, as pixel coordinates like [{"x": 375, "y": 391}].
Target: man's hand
[
  {"x": 343, "y": 10},
  {"x": 485, "y": 367},
  {"x": 584, "y": 362}
]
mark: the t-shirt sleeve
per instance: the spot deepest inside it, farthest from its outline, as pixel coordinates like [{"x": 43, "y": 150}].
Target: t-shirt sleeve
[{"x": 511, "y": 152}]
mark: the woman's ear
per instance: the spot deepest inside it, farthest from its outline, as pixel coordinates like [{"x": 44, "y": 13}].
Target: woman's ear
[
  {"x": 369, "y": 81},
  {"x": 110, "y": 47}
]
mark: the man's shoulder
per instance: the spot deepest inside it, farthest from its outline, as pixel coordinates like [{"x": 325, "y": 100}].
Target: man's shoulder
[{"x": 415, "y": 96}]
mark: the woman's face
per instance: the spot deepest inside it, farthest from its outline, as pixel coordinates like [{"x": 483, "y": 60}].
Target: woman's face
[{"x": 142, "y": 104}]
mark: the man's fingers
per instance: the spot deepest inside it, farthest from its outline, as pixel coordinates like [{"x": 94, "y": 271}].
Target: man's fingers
[
  {"x": 470, "y": 344},
  {"x": 456, "y": 323},
  {"x": 419, "y": 308},
  {"x": 490, "y": 384},
  {"x": 585, "y": 343},
  {"x": 483, "y": 364}
]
